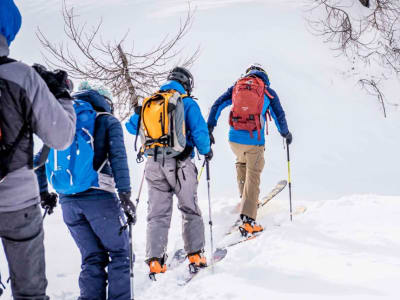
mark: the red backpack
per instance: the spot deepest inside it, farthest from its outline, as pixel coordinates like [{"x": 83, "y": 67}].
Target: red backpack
[{"x": 247, "y": 104}]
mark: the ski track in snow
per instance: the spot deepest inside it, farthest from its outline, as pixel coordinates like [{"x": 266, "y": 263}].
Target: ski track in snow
[{"x": 338, "y": 249}]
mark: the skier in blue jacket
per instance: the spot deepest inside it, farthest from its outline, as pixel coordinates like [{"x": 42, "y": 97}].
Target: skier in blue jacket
[
  {"x": 176, "y": 175},
  {"x": 248, "y": 146},
  {"x": 94, "y": 217}
]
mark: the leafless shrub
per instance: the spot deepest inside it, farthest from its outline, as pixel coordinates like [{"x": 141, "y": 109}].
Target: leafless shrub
[
  {"x": 369, "y": 36},
  {"x": 372, "y": 87},
  {"x": 130, "y": 76}
]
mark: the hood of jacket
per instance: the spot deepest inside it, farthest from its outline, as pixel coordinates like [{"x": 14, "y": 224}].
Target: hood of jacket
[
  {"x": 93, "y": 97},
  {"x": 10, "y": 20}
]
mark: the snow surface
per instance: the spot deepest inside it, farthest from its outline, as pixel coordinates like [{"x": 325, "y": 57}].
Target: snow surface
[
  {"x": 338, "y": 249},
  {"x": 345, "y": 162}
]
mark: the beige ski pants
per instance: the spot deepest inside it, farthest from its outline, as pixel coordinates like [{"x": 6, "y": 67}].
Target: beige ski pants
[{"x": 249, "y": 165}]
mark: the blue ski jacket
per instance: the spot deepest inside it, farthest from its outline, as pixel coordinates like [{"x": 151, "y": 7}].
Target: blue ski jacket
[
  {"x": 108, "y": 144},
  {"x": 243, "y": 136},
  {"x": 196, "y": 126},
  {"x": 10, "y": 20}
]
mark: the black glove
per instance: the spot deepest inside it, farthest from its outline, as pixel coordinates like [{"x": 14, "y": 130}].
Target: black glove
[
  {"x": 128, "y": 207},
  {"x": 57, "y": 82},
  {"x": 48, "y": 201},
  {"x": 288, "y": 138},
  {"x": 210, "y": 133},
  {"x": 209, "y": 155}
]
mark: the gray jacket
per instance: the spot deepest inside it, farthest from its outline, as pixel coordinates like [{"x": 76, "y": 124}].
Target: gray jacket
[{"x": 52, "y": 120}]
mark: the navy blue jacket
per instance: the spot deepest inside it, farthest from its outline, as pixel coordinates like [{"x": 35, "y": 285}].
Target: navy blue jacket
[
  {"x": 196, "y": 127},
  {"x": 243, "y": 136},
  {"x": 108, "y": 142}
]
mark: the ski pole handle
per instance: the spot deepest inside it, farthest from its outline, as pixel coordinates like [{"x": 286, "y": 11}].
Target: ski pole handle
[{"x": 207, "y": 169}]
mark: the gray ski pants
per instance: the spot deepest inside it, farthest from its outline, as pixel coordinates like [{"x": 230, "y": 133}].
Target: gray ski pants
[
  {"x": 179, "y": 178},
  {"x": 22, "y": 235}
]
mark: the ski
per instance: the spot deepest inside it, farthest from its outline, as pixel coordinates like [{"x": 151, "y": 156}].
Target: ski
[
  {"x": 275, "y": 191},
  {"x": 178, "y": 258},
  {"x": 218, "y": 255}
]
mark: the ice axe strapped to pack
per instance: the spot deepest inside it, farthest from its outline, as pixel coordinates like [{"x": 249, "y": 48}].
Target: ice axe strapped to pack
[{"x": 161, "y": 125}]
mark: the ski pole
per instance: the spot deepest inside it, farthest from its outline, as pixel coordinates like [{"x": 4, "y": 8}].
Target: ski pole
[
  {"x": 201, "y": 170},
  {"x": 46, "y": 210},
  {"x": 209, "y": 213},
  {"x": 140, "y": 188},
  {"x": 289, "y": 181},
  {"x": 131, "y": 259},
  {"x": 130, "y": 237}
]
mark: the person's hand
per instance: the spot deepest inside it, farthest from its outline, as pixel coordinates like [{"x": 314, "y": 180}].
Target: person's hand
[
  {"x": 209, "y": 155},
  {"x": 48, "y": 201},
  {"x": 58, "y": 82},
  {"x": 210, "y": 133},
  {"x": 288, "y": 138},
  {"x": 128, "y": 207}
]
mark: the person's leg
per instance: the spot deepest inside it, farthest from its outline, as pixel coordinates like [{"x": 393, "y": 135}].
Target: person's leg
[
  {"x": 240, "y": 164},
  {"x": 159, "y": 210},
  {"x": 192, "y": 221},
  {"x": 254, "y": 165},
  {"x": 93, "y": 277},
  {"x": 22, "y": 236},
  {"x": 106, "y": 219}
]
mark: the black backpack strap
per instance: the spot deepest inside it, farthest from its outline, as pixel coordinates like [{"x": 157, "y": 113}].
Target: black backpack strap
[
  {"x": 6, "y": 60},
  {"x": 138, "y": 111}
]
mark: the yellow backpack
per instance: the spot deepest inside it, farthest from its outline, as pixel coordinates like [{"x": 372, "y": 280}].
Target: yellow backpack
[{"x": 162, "y": 124}]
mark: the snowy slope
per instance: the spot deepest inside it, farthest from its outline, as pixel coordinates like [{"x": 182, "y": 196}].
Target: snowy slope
[
  {"x": 343, "y": 246},
  {"x": 338, "y": 249}
]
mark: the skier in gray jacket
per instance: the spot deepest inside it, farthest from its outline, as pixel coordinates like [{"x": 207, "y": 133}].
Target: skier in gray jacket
[{"x": 26, "y": 107}]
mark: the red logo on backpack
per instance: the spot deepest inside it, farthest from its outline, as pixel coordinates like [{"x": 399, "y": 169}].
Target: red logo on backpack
[{"x": 247, "y": 104}]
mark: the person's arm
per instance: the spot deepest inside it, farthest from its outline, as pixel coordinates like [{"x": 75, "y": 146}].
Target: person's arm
[
  {"x": 198, "y": 128},
  {"x": 52, "y": 120},
  {"x": 223, "y": 101},
  {"x": 40, "y": 173},
  {"x": 117, "y": 156},
  {"x": 278, "y": 114},
  {"x": 132, "y": 124}
]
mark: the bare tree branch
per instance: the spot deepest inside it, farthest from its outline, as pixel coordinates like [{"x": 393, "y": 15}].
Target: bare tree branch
[
  {"x": 130, "y": 76},
  {"x": 367, "y": 36},
  {"x": 372, "y": 88}
]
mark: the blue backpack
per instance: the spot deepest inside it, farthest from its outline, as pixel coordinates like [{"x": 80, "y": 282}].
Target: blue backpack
[{"x": 70, "y": 171}]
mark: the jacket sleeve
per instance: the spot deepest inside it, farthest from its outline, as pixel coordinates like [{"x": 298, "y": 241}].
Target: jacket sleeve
[
  {"x": 223, "y": 101},
  {"x": 132, "y": 124},
  {"x": 40, "y": 174},
  {"x": 53, "y": 120},
  {"x": 278, "y": 114},
  {"x": 117, "y": 156},
  {"x": 198, "y": 128}
]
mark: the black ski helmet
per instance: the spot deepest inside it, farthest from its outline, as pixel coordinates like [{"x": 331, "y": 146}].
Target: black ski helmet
[
  {"x": 255, "y": 66},
  {"x": 183, "y": 76}
]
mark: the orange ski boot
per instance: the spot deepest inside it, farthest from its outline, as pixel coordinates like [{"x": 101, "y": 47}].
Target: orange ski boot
[
  {"x": 249, "y": 226},
  {"x": 197, "y": 260},
  {"x": 157, "y": 266}
]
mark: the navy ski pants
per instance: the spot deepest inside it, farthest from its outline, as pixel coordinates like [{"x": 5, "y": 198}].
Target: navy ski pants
[{"x": 95, "y": 226}]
